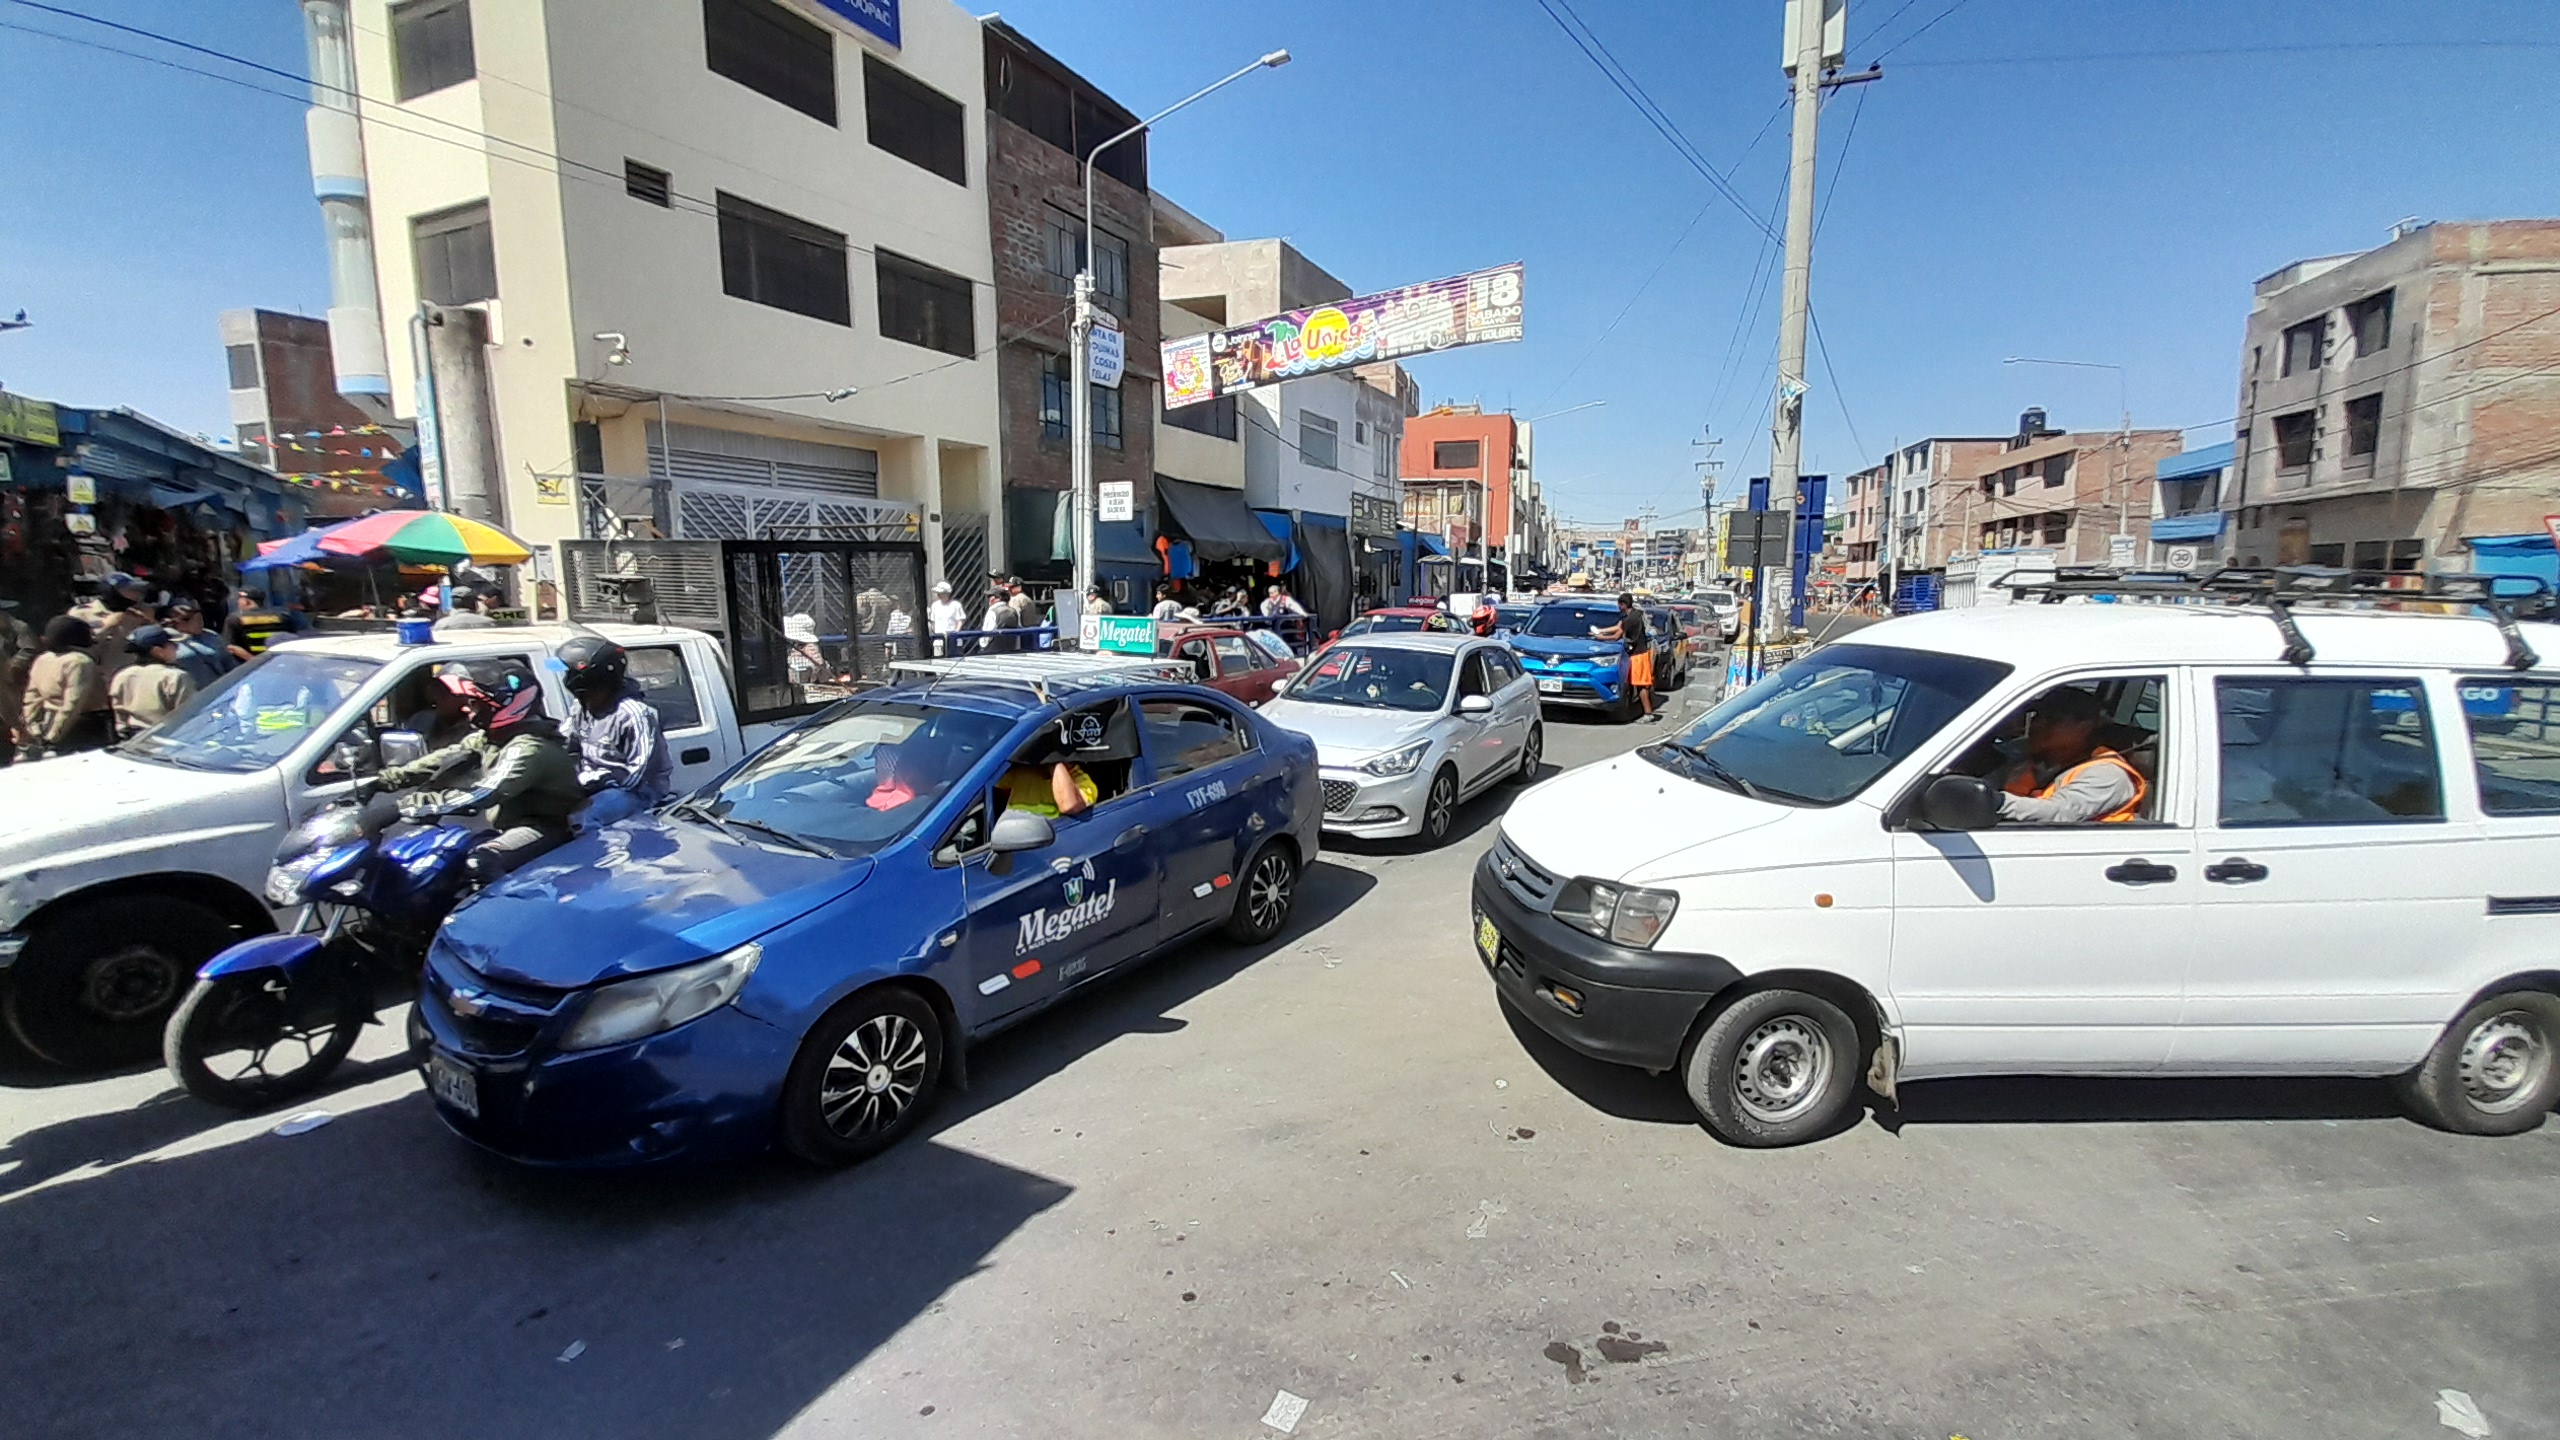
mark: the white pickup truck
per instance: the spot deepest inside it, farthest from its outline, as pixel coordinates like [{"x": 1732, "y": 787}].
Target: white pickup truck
[{"x": 121, "y": 871}]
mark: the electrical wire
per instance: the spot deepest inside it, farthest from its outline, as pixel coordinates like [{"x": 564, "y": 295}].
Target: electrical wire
[
  {"x": 2117, "y": 56},
  {"x": 1916, "y": 34},
  {"x": 2412, "y": 365}
]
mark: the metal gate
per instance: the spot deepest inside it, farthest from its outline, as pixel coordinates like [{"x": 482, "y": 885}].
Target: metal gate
[
  {"x": 812, "y": 621},
  {"x": 964, "y": 552}
]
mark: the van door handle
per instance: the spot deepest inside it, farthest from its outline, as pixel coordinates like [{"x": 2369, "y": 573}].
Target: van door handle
[
  {"x": 695, "y": 756},
  {"x": 2235, "y": 871},
  {"x": 2141, "y": 872}
]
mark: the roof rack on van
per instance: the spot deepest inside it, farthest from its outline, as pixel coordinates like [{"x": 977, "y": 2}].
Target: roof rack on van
[
  {"x": 1041, "y": 673},
  {"x": 2279, "y": 589}
]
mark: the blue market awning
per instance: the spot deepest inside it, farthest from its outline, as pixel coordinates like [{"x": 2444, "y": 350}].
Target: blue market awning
[
  {"x": 1284, "y": 530},
  {"x": 1432, "y": 545},
  {"x": 2194, "y": 463},
  {"x": 2202, "y": 526},
  {"x": 2516, "y": 555}
]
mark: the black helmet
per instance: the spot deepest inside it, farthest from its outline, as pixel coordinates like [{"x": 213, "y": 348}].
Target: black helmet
[{"x": 591, "y": 663}]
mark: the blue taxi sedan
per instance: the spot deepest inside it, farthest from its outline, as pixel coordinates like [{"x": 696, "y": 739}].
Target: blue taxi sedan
[{"x": 802, "y": 951}]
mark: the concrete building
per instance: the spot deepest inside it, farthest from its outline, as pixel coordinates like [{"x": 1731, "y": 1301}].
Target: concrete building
[
  {"x": 1864, "y": 522},
  {"x": 2072, "y": 493},
  {"x": 2186, "y": 513},
  {"x": 1470, "y": 476},
  {"x": 288, "y": 416},
  {"x": 1043, "y": 119},
  {"x": 2398, "y": 403},
  {"x": 688, "y": 267},
  {"x": 1318, "y": 448}
]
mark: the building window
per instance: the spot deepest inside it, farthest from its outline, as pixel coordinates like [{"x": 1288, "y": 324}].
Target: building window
[
  {"x": 1111, "y": 262},
  {"x": 925, "y": 306},
  {"x": 1056, "y": 374},
  {"x": 1074, "y": 121},
  {"x": 1359, "y": 432},
  {"x": 1456, "y": 454},
  {"x": 244, "y": 365},
  {"x": 2303, "y": 344},
  {"x": 647, "y": 182},
  {"x": 774, "y": 259},
  {"x": 2364, "y": 427},
  {"x": 253, "y": 439},
  {"x": 2369, "y": 320},
  {"x": 2057, "y": 468},
  {"x": 1319, "y": 441},
  {"x": 2331, "y": 556},
  {"x": 2406, "y": 555},
  {"x": 1213, "y": 417},
  {"x": 2293, "y": 440},
  {"x": 914, "y": 121},
  {"x": 430, "y": 47},
  {"x": 1382, "y": 456},
  {"x": 2057, "y": 527},
  {"x": 457, "y": 263},
  {"x": 772, "y": 52},
  {"x": 2371, "y": 554},
  {"x": 1106, "y": 416}
]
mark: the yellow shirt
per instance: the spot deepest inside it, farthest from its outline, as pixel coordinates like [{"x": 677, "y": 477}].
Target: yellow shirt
[{"x": 1027, "y": 788}]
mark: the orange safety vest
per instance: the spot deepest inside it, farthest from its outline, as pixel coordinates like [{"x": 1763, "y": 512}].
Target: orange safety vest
[{"x": 2023, "y": 784}]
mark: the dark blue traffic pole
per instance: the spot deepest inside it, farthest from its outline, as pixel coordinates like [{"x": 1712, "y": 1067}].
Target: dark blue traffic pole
[{"x": 1808, "y": 540}]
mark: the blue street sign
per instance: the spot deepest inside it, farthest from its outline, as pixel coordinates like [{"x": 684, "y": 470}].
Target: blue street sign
[{"x": 880, "y": 17}]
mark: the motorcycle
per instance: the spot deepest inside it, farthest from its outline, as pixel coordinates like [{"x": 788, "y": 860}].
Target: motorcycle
[{"x": 270, "y": 1018}]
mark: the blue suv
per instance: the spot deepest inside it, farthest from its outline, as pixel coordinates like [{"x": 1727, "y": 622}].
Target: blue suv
[{"x": 801, "y": 950}]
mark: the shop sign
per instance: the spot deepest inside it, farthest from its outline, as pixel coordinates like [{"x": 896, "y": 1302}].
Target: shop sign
[
  {"x": 1108, "y": 355},
  {"x": 1125, "y": 634},
  {"x": 880, "y": 17},
  {"x": 1119, "y": 501},
  {"x": 30, "y": 420},
  {"x": 81, "y": 489},
  {"x": 1373, "y": 516},
  {"x": 1472, "y": 309}
]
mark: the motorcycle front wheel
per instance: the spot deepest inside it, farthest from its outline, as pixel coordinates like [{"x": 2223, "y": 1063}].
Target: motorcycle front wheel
[{"x": 250, "y": 1041}]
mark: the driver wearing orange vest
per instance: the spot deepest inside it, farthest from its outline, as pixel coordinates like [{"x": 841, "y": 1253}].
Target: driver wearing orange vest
[{"x": 2067, "y": 778}]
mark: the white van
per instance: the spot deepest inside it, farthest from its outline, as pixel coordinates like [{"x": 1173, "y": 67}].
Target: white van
[{"x": 2347, "y": 863}]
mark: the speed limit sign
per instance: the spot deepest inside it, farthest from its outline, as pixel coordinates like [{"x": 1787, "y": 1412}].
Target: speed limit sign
[{"x": 2182, "y": 557}]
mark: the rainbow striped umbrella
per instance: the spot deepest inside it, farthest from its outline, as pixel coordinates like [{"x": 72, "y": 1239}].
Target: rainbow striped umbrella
[{"x": 426, "y": 537}]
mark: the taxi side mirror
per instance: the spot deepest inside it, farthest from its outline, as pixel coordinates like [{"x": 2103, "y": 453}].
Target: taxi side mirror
[
  {"x": 1959, "y": 802},
  {"x": 1020, "y": 830}
]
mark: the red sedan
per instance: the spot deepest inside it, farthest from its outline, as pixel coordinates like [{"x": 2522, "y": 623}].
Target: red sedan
[{"x": 1241, "y": 663}]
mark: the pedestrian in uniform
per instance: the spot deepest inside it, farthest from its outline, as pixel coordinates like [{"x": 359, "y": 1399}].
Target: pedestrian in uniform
[
  {"x": 1095, "y": 602},
  {"x": 256, "y": 625},
  {"x": 113, "y": 615},
  {"x": 201, "y": 653},
  {"x": 19, "y": 647},
  {"x": 153, "y": 687},
  {"x": 66, "y": 702},
  {"x": 999, "y": 616}
]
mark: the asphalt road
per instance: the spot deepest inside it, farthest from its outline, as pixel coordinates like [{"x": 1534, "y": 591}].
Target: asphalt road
[{"x": 1329, "y": 1167}]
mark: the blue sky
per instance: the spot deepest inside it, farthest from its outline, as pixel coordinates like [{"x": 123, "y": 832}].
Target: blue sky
[{"x": 2017, "y": 185}]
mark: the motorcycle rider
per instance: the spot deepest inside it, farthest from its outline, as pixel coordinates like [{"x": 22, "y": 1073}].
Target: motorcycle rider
[
  {"x": 528, "y": 785},
  {"x": 622, "y": 754}
]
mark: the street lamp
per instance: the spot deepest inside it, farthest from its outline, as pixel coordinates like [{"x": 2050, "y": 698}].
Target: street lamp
[
  {"x": 2124, "y": 431},
  {"x": 1080, "y": 437}
]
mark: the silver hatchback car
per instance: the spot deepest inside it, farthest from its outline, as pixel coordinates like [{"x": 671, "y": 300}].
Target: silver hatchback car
[{"x": 1409, "y": 726}]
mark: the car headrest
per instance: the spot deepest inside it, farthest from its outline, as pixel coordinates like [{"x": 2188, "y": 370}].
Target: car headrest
[{"x": 1087, "y": 737}]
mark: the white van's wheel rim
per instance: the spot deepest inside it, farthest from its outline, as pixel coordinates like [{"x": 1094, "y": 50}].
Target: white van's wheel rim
[
  {"x": 1782, "y": 1069},
  {"x": 2505, "y": 1060}
]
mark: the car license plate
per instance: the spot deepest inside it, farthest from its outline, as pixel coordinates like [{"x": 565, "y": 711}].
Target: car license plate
[
  {"x": 1550, "y": 687},
  {"x": 1488, "y": 941},
  {"x": 454, "y": 1084}
]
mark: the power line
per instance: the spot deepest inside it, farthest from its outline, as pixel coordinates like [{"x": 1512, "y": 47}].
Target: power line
[
  {"x": 1887, "y": 25},
  {"x": 1823, "y": 348},
  {"x": 2412, "y": 365},
  {"x": 1593, "y": 49},
  {"x": 2215, "y": 52},
  {"x": 1923, "y": 30}
]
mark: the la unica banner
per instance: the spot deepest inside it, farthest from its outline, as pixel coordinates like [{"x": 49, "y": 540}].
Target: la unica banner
[{"x": 1472, "y": 309}]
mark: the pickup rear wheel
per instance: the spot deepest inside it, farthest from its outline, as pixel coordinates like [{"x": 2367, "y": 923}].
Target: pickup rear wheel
[
  {"x": 1776, "y": 1067},
  {"x": 864, "y": 1077},
  {"x": 98, "y": 979},
  {"x": 2495, "y": 1071}
]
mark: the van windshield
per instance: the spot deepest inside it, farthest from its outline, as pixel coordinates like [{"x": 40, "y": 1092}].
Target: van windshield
[
  {"x": 256, "y": 715},
  {"x": 1816, "y": 732}
]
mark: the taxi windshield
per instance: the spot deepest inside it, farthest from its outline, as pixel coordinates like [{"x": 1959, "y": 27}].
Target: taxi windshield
[
  {"x": 854, "y": 780},
  {"x": 1817, "y": 731},
  {"x": 1376, "y": 678},
  {"x": 255, "y": 716},
  {"x": 1575, "y": 622}
]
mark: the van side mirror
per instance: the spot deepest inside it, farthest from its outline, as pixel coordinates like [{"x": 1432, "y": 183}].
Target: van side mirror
[
  {"x": 402, "y": 747},
  {"x": 1959, "y": 802},
  {"x": 1019, "y": 830}
]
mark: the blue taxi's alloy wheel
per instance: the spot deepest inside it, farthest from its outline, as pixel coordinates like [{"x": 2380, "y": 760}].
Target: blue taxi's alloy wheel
[
  {"x": 1262, "y": 902},
  {"x": 864, "y": 1077}
]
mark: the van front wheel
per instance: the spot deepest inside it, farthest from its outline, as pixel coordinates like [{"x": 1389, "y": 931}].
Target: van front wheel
[
  {"x": 2495, "y": 1071},
  {"x": 1776, "y": 1067}
]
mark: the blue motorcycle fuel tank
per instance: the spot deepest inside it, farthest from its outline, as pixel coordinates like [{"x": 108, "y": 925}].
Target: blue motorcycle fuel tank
[{"x": 421, "y": 871}]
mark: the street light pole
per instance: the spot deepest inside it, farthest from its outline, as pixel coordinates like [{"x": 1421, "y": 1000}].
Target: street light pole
[{"x": 1080, "y": 334}]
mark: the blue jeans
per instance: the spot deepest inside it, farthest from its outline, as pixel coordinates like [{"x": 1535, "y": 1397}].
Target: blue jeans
[{"x": 607, "y": 806}]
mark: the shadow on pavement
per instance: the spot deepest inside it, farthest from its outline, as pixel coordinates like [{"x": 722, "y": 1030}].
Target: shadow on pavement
[
  {"x": 1619, "y": 1090},
  {"x": 377, "y": 1277},
  {"x": 2029, "y": 1099}
]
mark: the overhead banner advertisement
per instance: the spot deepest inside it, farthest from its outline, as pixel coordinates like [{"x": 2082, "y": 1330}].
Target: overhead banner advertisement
[{"x": 1473, "y": 309}]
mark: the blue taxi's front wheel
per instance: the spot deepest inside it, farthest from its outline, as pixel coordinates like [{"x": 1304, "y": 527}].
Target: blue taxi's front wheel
[{"x": 863, "y": 1078}]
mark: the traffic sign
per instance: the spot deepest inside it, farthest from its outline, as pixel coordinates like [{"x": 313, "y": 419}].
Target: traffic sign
[{"x": 1119, "y": 501}]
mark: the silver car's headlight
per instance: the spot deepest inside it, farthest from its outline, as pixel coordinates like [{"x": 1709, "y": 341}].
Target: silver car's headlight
[
  {"x": 1621, "y": 914},
  {"x": 634, "y": 1009},
  {"x": 1399, "y": 762}
]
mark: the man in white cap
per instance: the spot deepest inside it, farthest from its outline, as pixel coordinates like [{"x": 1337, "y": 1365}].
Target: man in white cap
[{"x": 944, "y": 615}]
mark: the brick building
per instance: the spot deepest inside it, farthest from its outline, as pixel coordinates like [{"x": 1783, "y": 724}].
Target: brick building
[
  {"x": 2070, "y": 492},
  {"x": 1042, "y": 120},
  {"x": 1467, "y": 480},
  {"x": 289, "y": 417},
  {"x": 2397, "y": 404}
]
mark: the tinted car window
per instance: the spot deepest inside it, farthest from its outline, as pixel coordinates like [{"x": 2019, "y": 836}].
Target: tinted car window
[
  {"x": 668, "y": 685},
  {"x": 2326, "y": 752},
  {"x": 2515, "y": 745},
  {"x": 1185, "y": 735}
]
